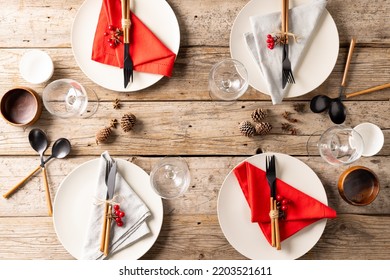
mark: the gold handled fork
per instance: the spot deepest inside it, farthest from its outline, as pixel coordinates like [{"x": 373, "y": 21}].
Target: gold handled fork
[
  {"x": 127, "y": 60},
  {"x": 287, "y": 73}
]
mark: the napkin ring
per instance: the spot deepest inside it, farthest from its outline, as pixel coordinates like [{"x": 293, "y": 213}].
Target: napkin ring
[
  {"x": 126, "y": 23},
  {"x": 274, "y": 214}
]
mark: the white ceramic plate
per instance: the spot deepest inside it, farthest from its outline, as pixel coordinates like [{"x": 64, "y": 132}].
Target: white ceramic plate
[
  {"x": 317, "y": 63},
  {"x": 157, "y": 15},
  {"x": 76, "y": 194},
  {"x": 246, "y": 237}
]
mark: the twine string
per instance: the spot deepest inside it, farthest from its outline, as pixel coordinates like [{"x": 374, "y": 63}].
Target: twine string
[
  {"x": 274, "y": 214},
  {"x": 289, "y": 34},
  {"x": 116, "y": 200}
]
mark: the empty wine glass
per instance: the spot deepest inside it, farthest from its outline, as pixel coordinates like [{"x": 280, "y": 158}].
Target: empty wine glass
[
  {"x": 66, "y": 98},
  {"x": 338, "y": 145},
  {"x": 170, "y": 177},
  {"x": 228, "y": 80}
]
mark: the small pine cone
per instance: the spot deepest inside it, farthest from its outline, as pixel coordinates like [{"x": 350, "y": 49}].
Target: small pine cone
[
  {"x": 287, "y": 116},
  {"x": 286, "y": 126},
  {"x": 116, "y": 104},
  {"x": 113, "y": 123},
  {"x": 299, "y": 107},
  {"x": 102, "y": 135},
  {"x": 259, "y": 114},
  {"x": 263, "y": 128},
  {"x": 247, "y": 128},
  {"x": 128, "y": 122}
]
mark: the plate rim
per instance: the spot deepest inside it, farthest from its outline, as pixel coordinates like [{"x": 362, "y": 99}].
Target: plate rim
[
  {"x": 321, "y": 222},
  {"x": 159, "y": 216}
]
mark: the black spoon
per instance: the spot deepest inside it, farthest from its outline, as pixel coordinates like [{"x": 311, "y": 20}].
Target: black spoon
[
  {"x": 337, "y": 111},
  {"x": 61, "y": 148}
]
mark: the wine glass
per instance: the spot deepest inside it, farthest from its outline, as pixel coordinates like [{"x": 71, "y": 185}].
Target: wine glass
[
  {"x": 338, "y": 145},
  {"x": 170, "y": 177},
  {"x": 67, "y": 98},
  {"x": 228, "y": 80}
]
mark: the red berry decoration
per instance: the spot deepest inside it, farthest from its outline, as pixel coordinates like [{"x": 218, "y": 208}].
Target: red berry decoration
[
  {"x": 115, "y": 34},
  {"x": 116, "y": 207},
  {"x": 285, "y": 201},
  {"x": 284, "y": 207},
  {"x": 119, "y": 224},
  {"x": 279, "y": 197},
  {"x": 118, "y": 219},
  {"x": 121, "y": 214}
]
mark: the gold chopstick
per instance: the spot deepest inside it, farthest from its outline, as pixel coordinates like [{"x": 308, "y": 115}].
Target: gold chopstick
[{"x": 103, "y": 237}]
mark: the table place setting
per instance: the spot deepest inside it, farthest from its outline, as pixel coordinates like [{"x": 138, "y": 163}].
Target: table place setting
[
  {"x": 278, "y": 38},
  {"x": 296, "y": 209},
  {"x": 300, "y": 206},
  {"x": 302, "y": 21},
  {"x": 115, "y": 216},
  {"x": 127, "y": 229},
  {"x": 129, "y": 50}
]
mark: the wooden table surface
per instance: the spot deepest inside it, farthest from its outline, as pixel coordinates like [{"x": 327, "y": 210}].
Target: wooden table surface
[{"x": 177, "y": 117}]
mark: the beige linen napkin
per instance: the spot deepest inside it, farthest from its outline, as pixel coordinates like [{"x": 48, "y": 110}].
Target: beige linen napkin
[
  {"x": 303, "y": 21},
  {"x": 134, "y": 223}
]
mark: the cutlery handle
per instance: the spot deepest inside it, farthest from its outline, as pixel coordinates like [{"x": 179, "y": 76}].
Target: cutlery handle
[
  {"x": 48, "y": 199},
  {"x": 286, "y": 7},
  {"x": 277, "y": 233},
  {"x": 108, "y": 233},
  {"x": 126, "y": 20},
  {"x": 349, "y": 58},
  {"x": 14, "y": 188},
  {"x": 283, "y": 16},
  {"x": 103, "y": 238},
  {"x": 273, "y": 242},
  {"x": 368, "y": 90}
]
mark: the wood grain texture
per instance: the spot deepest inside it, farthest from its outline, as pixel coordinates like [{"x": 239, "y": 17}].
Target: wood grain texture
[
  {"x": 207, "y": 176},
  {"x": 177, "y": 117},
  {"x": 202, "y": 23},
  {"x": 192, "y": 237},
  {"x": 191, "y": 128},
  {"x": 189, "y": 81}
]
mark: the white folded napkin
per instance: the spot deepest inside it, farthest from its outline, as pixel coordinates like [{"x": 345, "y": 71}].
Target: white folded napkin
[
  {"x": 134, "y": 222},
  {"x": 303, "y": 21}
]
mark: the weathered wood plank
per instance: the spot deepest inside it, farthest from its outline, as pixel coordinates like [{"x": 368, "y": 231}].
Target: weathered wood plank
[
  {"x": 202, "y": 22},
  {"x": 194, "y": 237},
  {"x": 207, "y": 176},
  {"x": 369, "y": 68},
  {"x": 191, "y": 128}
]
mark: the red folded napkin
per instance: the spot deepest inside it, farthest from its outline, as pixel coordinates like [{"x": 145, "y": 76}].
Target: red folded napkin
[
  {"x": 149, "y": 54},
  {"x": 302, "y": 211}
]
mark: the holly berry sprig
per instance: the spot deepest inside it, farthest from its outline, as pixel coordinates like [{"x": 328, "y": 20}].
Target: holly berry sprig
[
  {"x": 115, "y": 34},
  {"x": 117, "y": 214},
  {"x": 272, "y": 41},
  {"x": 282, "y": 205}
]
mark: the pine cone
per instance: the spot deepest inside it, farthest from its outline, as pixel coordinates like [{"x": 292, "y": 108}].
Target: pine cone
[
  {"x": 247, "y": 128},
  {"x": 113, "y": 123},
  {"x": 103, "y": 134},
  {"x": 128, "y": 121},
  {"x": 116, "y": 104},
  {"x": 263, "y": 128},
  {"x": 300, "y": 107},
  {"x": 259, "y": 114}
]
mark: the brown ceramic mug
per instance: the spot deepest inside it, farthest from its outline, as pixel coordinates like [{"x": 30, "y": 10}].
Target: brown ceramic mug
[
  {"x": 358, "y": 185},
  {"x": 21, "y": 106}
]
